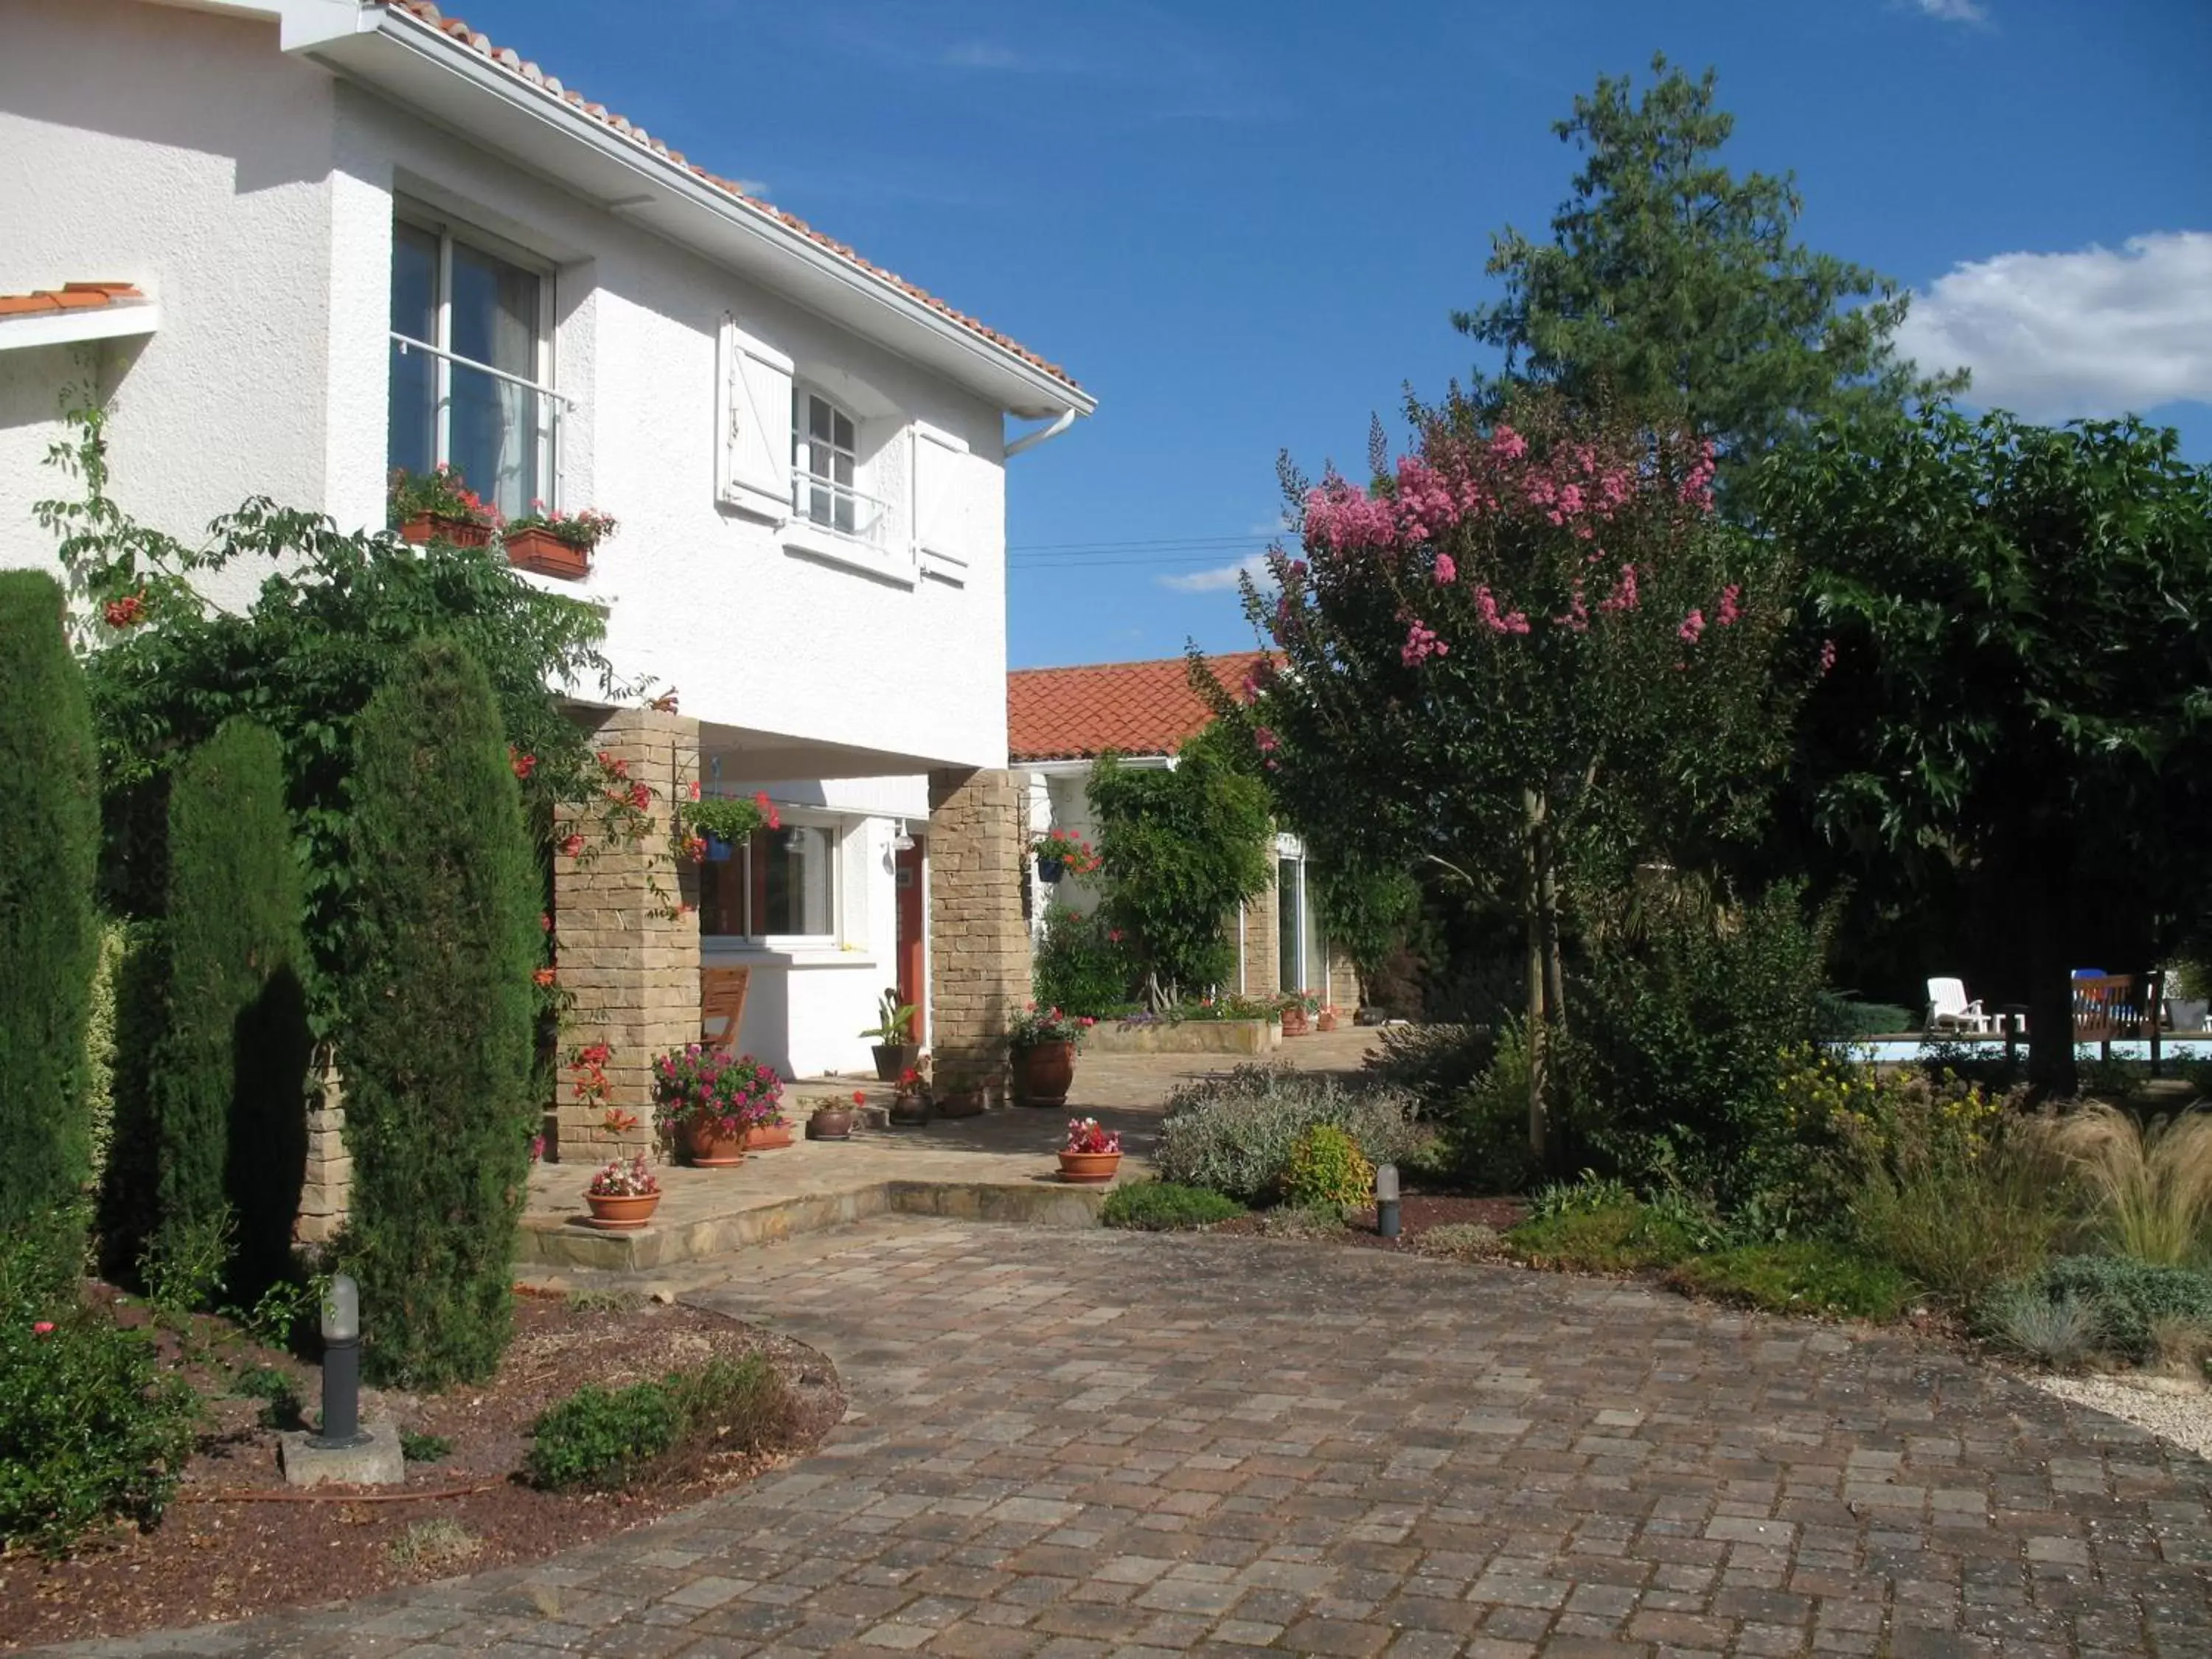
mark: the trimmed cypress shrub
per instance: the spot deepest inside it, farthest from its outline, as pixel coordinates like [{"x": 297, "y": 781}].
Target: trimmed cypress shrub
[
  {"x": 437, "y": 1046},
  {"x": 49, "y": 933},
  {"x": 229, "y": 1080}
]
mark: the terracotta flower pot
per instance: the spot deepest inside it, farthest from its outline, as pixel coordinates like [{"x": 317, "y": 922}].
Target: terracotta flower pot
[
  {"x": 1294, "y": 1023},
  {"x": 1324, "y": 1022},
  {"x": 422, "y": 527},
  {"x": 621, "y": 1212},
  {"x": 830, "y": 1123},
  {"x": 1089, "y": 1168},
  {"x": 538, "y": 550},
  {"x": 768, "y": 1137},
  {"x": 910, "y": 1111},
  {"x": 708, "y": 1148},
  {"x": 1043, "y": 1073},
  {"x": 964, "y": 1102}
]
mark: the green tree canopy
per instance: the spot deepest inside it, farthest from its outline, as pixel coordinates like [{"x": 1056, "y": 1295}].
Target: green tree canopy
[
  {"x": 1680, "y": 289},
  {"x": 2019, "y": 621}
]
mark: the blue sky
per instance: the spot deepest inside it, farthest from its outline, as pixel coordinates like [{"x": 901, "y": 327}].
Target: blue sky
[{"x": 1243, "y": 224}]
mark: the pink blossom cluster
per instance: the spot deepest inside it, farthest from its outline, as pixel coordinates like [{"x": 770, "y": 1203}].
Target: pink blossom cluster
[
  {"x": 1421, "y": 644},
  {"x": 1497, "y": 621},
  {"x": 1622, "y": 596},
  {"x": 1697, "y": 489}
]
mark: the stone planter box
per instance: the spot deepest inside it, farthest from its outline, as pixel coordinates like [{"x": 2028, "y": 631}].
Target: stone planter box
[{"x": 1191, "y": 1036}]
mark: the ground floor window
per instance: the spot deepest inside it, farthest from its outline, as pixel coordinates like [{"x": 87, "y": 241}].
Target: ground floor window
[{"x": 779, "y": 885}]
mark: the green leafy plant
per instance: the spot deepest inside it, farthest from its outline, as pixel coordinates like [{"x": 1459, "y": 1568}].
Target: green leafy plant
[
  {"x": 1801, "y": 1276},
  {"x": 49, "y": 932},
  {"x": 894, "y": 1020},
  {"x": 1158, "y": 1206},
  {"x": 230, "y": 1072},
  {"x": 1326, "y": 1168},
  {"x": 1035, "y": 1026},
  {"x": 185, "y": 1266},
  {"x": 1485, "y": 1120},
  {"x": 424, "y": 1447},
  {"x": 1234, "y": 1133},
  {"x": 91, "y": 1429},
  {"x": 1620, "y": 1236},
  {"x": 1082, "y": 963},
  {"x": 1434, "y": 1062},
  {"x": 442, "y": 493},
  {"x": 604, "y": 1438},
  {"x": 440, "y": 1033},
  {"x": 1066, "y": 850}
]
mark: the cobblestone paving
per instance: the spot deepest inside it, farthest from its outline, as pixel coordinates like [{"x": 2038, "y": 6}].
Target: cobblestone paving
[{"x": 1091, "y": 1444}]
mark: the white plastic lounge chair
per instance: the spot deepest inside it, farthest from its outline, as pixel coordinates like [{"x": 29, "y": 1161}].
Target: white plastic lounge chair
[{"x": 1949, "y": 1010}]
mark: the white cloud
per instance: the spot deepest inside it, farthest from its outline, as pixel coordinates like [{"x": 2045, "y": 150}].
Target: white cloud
[
  {"x": 983, "y": 55},
  {"x": 2094, "y": 333},
  {"x": 1955, "y": 11},
  {"x": 1222, "y": 576}
]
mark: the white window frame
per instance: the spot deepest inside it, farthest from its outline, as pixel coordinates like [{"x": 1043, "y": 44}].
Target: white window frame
[
  {"x": 741, "y": 859},
  {"x": 554, "y": 400},
  {"x": 868, "y": 547}
]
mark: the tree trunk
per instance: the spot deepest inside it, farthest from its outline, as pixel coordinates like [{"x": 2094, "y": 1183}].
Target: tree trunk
[{"x": 2052, "y": 1072}]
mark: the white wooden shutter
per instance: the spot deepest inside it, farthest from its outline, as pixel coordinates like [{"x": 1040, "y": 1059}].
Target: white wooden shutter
[
  {"x": 754, "y": 448},
  {"x": 944, "y": 509}
]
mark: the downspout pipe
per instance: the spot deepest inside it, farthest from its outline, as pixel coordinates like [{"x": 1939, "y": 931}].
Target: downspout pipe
[{"x": 1043, "y": 434}]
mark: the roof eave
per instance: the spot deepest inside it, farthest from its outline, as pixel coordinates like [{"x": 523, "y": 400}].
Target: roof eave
[{"x": 405, "y": 58}]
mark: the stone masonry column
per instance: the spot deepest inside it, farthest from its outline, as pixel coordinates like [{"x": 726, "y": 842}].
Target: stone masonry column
[
  {"x": 1261, "y": 921},
  {"x": 627, "y": 938},
  {"x": 979, "y": 953}
]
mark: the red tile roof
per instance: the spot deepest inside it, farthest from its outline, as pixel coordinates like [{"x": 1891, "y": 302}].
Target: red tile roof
[
  {"x": 507, "y": 59},
  {"x": 1132, "y": 707},
  {"x": 69, "y": 296}
]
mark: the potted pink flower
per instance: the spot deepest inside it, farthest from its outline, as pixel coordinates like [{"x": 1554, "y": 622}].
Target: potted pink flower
[
  {"x": 1043, "y": 1043},
  {"x": 1092, "y": 1154},
  {"x": 438, "y": 506},
  {"x": 711, "y": 1105},
  {"x": 623, "y": 1195}
]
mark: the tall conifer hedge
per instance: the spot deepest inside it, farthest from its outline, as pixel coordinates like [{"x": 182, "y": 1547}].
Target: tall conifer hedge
[
  {"x": 49, "y": 936},
  {"x": 436, "y": 1048},
  {"x": 230, "y": 1077}
]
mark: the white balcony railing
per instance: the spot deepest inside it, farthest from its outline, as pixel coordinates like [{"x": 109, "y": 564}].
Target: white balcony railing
[{"x": 843, "y": 511}]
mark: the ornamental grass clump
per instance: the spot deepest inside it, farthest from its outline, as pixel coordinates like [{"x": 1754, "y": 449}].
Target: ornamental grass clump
[
  {"x": 1235, "y": 1134},
  {"x": 441, "y": 1024},
  {"x": 2150, "y": 1185},
  {"x": 49, "y": 934}
]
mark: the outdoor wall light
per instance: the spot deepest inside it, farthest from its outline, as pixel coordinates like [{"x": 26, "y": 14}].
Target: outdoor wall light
[
  {"x": 901, "y": 841},
  {"x": 341, "y": 1368},
  {"x": 1386, "y": 1200}
]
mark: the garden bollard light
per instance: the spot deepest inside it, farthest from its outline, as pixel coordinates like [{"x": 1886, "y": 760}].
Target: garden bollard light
[
  {"x": 1386, "y": 1200},
  {"x": 341, "y": 1368}
]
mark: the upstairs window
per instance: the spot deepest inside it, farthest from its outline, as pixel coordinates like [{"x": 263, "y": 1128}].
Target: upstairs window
[
  {"x": 470, "y": 366},
  {"x": 826, "y": 469}
]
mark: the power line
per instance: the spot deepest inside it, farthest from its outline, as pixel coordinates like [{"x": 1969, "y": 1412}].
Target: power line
[{"x": 1248, "y": 537}]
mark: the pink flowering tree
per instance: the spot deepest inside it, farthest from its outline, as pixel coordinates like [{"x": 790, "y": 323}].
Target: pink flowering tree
[{"x": 1527, "y": 651}]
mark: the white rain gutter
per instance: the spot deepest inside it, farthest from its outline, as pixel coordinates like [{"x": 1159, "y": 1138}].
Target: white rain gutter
[{"x": 1043, "y": 434}]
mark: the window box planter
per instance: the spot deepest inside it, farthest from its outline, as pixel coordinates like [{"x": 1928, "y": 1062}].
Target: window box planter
[
  {"x": 420, "y": 528},
  {"x": 541, "y": 550}
]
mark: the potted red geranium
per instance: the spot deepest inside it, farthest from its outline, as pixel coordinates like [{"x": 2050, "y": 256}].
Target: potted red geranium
[
  {"x": 1044, "y": 1044},
  {"x": 556, "y": 544},
  {"x": 1092, "y": 1154},
  {"x": 1062, "y": 853},
  {"x": 438, "y": 506},
  {"x": 623, "y": 1195},
  {"x": 711, "y": 1104}
]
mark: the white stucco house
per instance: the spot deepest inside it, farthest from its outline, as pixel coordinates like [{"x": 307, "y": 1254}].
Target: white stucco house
[{"x": 341, "y": 236}]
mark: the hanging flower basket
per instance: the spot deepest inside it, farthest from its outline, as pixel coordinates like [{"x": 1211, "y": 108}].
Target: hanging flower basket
[{"x": 1050, "y": 871}]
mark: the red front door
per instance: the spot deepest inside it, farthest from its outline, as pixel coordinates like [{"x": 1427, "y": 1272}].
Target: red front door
[{"x": 913, "y": 973}]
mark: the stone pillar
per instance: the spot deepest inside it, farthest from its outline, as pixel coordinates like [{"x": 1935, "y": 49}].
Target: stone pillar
[
  {"x": 1262, "y": 924},
  {"x": 327, "y": 1186},
  {"x": 978, "y": 952},
  {"x": 626, "y": 930}
]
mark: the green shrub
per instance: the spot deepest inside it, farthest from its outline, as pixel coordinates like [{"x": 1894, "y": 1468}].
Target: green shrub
[
  {"x": 1485, "y": 1127},
  {"x": 437, "y": 1044},
  {"x": 1234, "y": 1133},
  {"x": 1326, "y": 1168},
  {"x": 1081, "y": 968},
  {"x": 126, "y": 1208},
  {"x": 1679, "y": 1023},
  {"x": 90, "y": 1431},
  {"x": 1435, "y": 1064},
  {"x": 1621, "y": 1236},
  {"x": 424, "y": 1447},
  {"x": 601, "y": 1437},
  {"x": 2060, "y": 1330},
  {"x": 1159, "y": 1206},
  {"x": 1842, "y": 1017},
  {"x": 49, "y": 933},
  {"x": 2127, "y": 1300},
  {"x": 230, "y": 1071},
  {"x": 1801, "y": 1276}
]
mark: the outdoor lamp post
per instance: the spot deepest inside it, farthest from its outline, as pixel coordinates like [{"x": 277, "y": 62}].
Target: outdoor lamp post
[
  {"x": 341, "y": 1428},
  {"x": 1386, "y": 1200}
]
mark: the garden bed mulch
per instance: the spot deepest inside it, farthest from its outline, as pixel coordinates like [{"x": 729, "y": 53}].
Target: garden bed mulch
[
  {"x": 1417, "y": 1213},
  {"x": 216, "y": 1556}
]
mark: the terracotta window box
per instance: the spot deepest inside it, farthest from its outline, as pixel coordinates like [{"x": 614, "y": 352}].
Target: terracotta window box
[
  {"x": 423, "y": 527},
  {"x": 542, "y": 551}
]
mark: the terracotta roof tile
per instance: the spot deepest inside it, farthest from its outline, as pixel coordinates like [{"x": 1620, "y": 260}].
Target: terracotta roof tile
[
  {"x": 1132, "y": 707},
  {"x": 69, "y": 296},
  {"x": 522, "y": 68}
]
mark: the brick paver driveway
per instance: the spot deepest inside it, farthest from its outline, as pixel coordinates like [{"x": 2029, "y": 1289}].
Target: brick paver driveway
[{"x": 1088, "y": 1444}]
